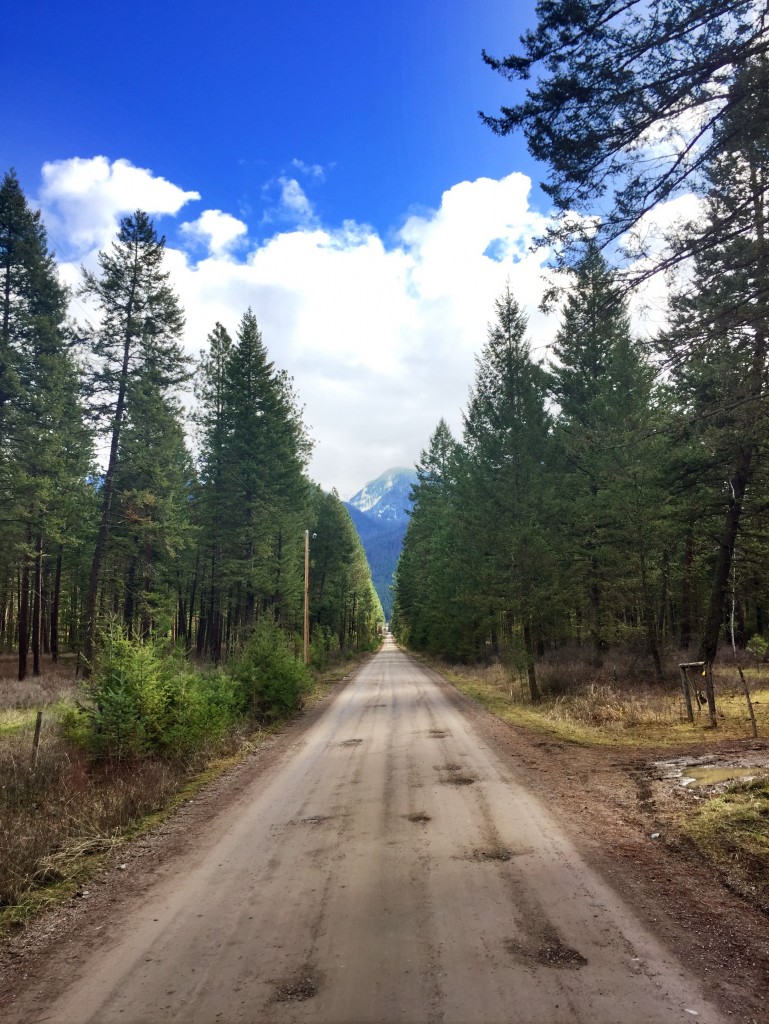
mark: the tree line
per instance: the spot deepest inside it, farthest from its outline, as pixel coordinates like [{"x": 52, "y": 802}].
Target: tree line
[
  {"x": 617, "y": 496},
  {"x": 195, "y": 549}
]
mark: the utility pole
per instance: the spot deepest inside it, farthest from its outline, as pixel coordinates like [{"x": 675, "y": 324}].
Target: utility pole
[{"x": 307, "y": 597}]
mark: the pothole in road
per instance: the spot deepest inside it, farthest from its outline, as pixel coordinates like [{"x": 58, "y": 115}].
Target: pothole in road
[
  {"x": 303, "y": 986},
  {"x": 552, "y": 954},
  {"x": 448, "y": 767},
  {"x": 438, "y": 734},
  {"x": 560, "y": 956},
  {"x": 418, "y": 819},
  {"x": 492, "y": 853},
  {"x": 315, "y": 819},
  {"x": 459, "y": 780},
  {"x": 350, "y": 743}
]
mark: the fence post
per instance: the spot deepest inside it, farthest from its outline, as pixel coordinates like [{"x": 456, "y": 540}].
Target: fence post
[{"x": 36, "y": 740}]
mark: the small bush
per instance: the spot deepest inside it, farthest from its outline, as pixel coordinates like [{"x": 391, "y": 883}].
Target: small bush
[
  {"x": 271, "y": 678},
  {"x": 140, "y": 702}
]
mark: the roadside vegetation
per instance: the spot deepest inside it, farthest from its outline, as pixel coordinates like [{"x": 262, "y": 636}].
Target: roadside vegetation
[
  {"x": 616, "y": 709},
  {"x": 120, "y": 750},
  {"x": 155, "y": 607},
  {"x": 616, "y": 704}
]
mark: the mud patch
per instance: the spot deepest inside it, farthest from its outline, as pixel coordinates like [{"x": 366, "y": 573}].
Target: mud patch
[
  {"x": 350, "y": 743},
  {"x": 552, "y": 953},
  {"x": 437, "y": 734},
  {"x": 459, "y": 780},
  {"x": 418, "y": 819},
  {"x": 560, "y": 956},
  {"x": 448, "y": 767},
  {"x": 491, "y": 853},
  {"x": 316, "y": 819},
  {"x": 305, "y": 984}
]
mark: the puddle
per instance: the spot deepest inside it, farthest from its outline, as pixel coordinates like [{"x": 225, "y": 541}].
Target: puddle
[{"x": 711, "y": 775}]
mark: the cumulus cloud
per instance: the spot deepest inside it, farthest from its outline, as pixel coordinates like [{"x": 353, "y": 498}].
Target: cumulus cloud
[
  {"x": 86, "y": 198},
  {"x": 379, "y": 336},
  {"x": 218, "y": 231}
]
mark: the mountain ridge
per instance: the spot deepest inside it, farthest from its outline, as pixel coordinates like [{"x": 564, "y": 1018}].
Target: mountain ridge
[{"x": 380, "y": 514}]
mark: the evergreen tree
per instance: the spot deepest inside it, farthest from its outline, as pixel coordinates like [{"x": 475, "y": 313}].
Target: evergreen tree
[
  {"x": 44, "y": 446},
  {"x": 615, "y": 79},
  {"x": 254, "y": 495},
  {"x": 503, "y": 490},
  {"x": 717, "y": 344},
  {"x": 345, "y": 612},
  {"x": 138, "y": 335},
  {"x": 425, "y": 614},
  {"x": 608, "y": 498}
]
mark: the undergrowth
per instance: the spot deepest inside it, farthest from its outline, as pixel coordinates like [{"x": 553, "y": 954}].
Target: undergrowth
[
  {"x": 609, "y": 706},
  {"x": 732, "y": 830},
  {"x": 144, "y": 729}
]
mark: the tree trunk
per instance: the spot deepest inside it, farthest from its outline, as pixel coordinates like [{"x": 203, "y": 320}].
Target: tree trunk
[
  {"x": 37, "y": 605},
  {"x": 530, "y": 670},
  {"x": 24, "y": 611},
  {"x": 720, "y": 586},
  {"x": 106, "y": 509},
  {"x": 686, "y": 591},
  {"x": 55, "y": 605}
]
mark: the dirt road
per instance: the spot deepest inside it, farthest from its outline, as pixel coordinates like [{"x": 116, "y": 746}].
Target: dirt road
[{"x": 389, "y": 868}]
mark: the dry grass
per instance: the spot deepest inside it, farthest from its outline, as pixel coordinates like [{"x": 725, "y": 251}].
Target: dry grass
[
  {"x": 56, "y": 684},
  {"x": 732, "y": 830},
  {"x": 60, "y": 816},
  {"x": 612, "y": 704}
]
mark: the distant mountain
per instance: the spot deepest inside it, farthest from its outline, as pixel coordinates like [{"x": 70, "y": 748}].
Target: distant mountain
[
  {"x": 379, "y": 512},
  {"x": 387, "y": 497}
]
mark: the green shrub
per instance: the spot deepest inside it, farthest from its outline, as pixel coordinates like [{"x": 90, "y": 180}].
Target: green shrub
[
  {"x": 324, "y": 647},
  {"x": 141, "y": 701},
  {"x": 272, "y": 679}
]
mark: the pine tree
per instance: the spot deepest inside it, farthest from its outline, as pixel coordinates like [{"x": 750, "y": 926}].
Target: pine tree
[
  {"x": 425, "y": 615},
  {"x": 717, "y": 344},
  {"x": 628, "y": 102},
  {"x": 503, "y": 490},
  {"x": 44, "y": 446},
  {"x": 254, "y": 495},
  {"x": 607, "y": 497},
  {"x": 140, "y": 324}
]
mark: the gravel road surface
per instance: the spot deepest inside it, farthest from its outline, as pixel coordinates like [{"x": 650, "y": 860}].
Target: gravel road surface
[{"x": 388, "y": 868}]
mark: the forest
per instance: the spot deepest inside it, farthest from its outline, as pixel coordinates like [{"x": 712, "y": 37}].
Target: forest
[
  {"x": 613, "y": 496},
  {"x": 147, "y": 538}
]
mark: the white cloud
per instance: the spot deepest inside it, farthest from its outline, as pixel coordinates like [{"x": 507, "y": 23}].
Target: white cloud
[
  {"x": 311, "y": 170},
  {"x": 380, "y": 337},
  {"x": 294, "y": 202},
  {"x": 218, "y": 231},
  {"x": 87, "y": 198}
]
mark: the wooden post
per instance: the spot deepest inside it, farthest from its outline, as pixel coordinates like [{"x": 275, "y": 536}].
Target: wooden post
[
  {"x": 687, "y": 693},
  {"x": 307, "y": 597},
  {"x": 36, "y": 740},
  {"x": 710, "y": 694}
]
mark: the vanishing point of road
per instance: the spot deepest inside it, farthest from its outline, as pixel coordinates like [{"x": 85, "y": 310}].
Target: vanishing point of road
[{"x": 388, "y": 867}]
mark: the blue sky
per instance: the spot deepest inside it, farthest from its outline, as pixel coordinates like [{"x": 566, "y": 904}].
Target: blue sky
[{"x": 321, "y": 162}]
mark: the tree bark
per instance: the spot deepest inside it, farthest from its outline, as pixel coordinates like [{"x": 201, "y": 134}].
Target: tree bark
[
  {"x": 55, "y": 606},
  {"x": 109, "y": 483},
  {"x": 720, "y": 586},
  {"x": 37, "y": 605},
  {"x": 24, "y": 611}
]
